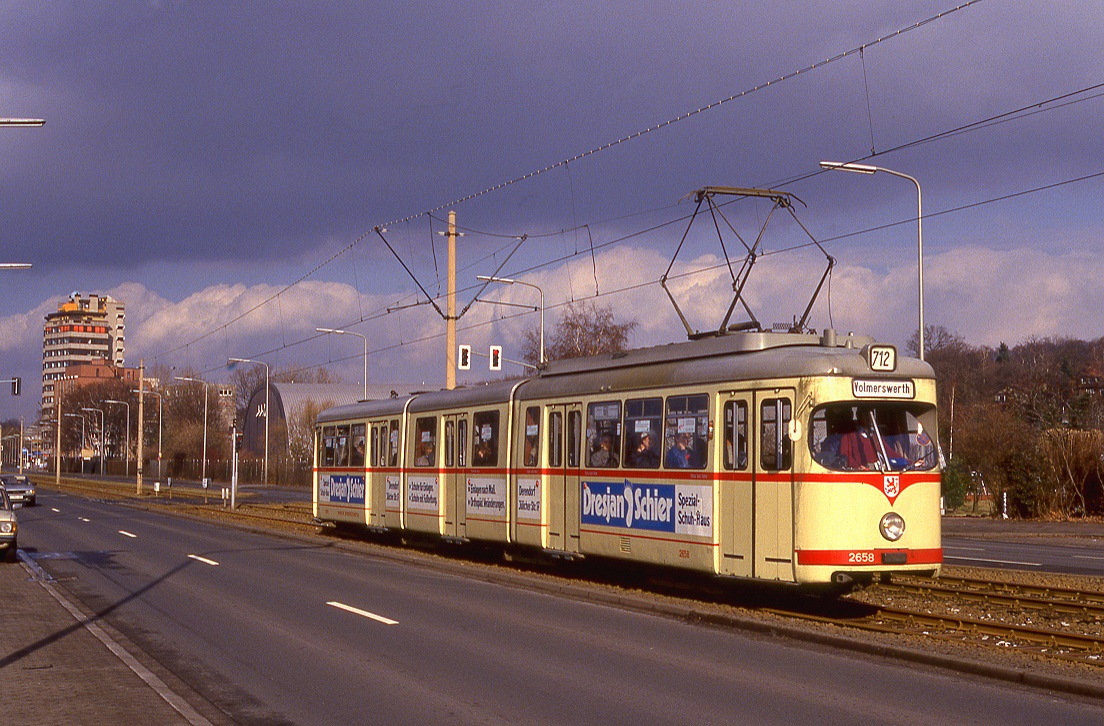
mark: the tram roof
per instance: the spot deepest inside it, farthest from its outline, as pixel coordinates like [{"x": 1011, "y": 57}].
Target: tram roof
[{"x": 735, "y": 357}]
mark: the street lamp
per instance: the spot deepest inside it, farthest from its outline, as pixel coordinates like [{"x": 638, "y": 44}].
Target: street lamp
[
  {"x": 231, "y": 361},
  {"x": 124, "y": 403},
  {"x": 509, "y": 281},
  {"x": 365, "y": 339},
  {"x": 155, "y": 393},
  {"x": 83, "y": 420},
  {"x": 103, "y": 470},
  {"x": 867, "y": 169},
  {"x": 203, "y": 474}
]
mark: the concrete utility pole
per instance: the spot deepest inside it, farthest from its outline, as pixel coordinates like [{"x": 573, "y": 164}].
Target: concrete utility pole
[
  {"x": 450, "y": 315},
  {"x": 141, "y": 417}
]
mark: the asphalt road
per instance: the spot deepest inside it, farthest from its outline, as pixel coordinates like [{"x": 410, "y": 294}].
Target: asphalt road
[{"x": 277, "y": 630}]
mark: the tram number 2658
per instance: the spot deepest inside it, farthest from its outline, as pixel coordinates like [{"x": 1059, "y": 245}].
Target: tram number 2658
[{"x": 860, "y": 558}]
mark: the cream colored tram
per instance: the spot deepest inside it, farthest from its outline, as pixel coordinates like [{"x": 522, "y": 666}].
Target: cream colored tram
[{"x": 788, "y": 457}]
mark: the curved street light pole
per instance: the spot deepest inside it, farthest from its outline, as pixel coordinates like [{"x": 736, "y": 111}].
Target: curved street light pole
[
  {"x": 362, "y": 337},
  {"x": 868, "y": 169},
  {"x": 267, "y": 402},
  {"x": 509, "y": 281}
]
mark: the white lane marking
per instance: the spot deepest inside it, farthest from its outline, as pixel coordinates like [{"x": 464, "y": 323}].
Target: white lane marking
[
  {"x": 1087, "y": 557},
  {"x": 127, "y": 534},
  {"x": 55, "y": 509},
  {"x": 204, "y": 560},
  {"x": 999, "y": 562},
  {"x": 965, "y": 549},
  {"x": 363, "y": 613},
  {"x": 84, "y": 519}
]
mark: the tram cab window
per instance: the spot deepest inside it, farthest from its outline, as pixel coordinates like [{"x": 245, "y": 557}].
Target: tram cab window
[
  {"x": 485, "y": 439},
  {"x": 425, "y": 441},
  {"x": 603, "y": 434},
  {"x": 735, "y": 435},
  {"x": 643, "y": 427},
  {"x": 357, "y": 454},
  {"x": 686, "y": 432},
  {"x": 775, "y": 447},
  {"x": 531, "y": 454},
  {"x": 329, "y": 444},
  {"x": 394, "y": 441},
  {"x": 849, "y": 436}
]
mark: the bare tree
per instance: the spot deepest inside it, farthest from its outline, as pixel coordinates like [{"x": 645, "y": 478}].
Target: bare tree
[{"x": 585, "y": 328}]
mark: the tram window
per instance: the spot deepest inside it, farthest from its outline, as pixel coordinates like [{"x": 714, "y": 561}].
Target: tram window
[
  {"x": 847, "y": 436},
  {"x": 356, "y": 454},
  {"x": 425, "y": 438},
  {"x": 686, "y": 432},
  {"x": 574, "y": 437},
  {"x": 462, "y": 442},
  {"x": 342, "y": 446},
  {"x": 373, "y": 446},
  {"x": 775, "y": 448},
  {"x": 328, "y": 442},
  {"x": 485, "y": 437},
  {"x": 450, "y": 443},
  {"x": 735, "y": 433},
  {"x": 532, "y": 436},
  {"x": 603, "y": 434},
  {"x": 643, "y": 423},
  {"x": 394, "y": 443},
  {"x": 555, "y": 439},
  {"x": 381, "y": 436}
]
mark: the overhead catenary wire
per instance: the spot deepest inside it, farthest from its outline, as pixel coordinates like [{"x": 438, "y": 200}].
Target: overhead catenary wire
[{"x": 588, "y": 153}]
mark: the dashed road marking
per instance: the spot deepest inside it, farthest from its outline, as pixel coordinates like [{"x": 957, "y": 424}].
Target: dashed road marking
[
  {"x": 127, "y": 534},
  {"x": 362, "y": 613},
  {"x": 204, "y": 560}
]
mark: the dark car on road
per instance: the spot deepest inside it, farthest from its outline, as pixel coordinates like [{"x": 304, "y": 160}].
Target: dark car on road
[{"x": 21, "y": 490}]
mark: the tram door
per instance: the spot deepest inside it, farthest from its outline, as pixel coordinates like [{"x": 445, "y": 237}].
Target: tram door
[
  {"x": 377, "y": 477},
  {"x": 773, "y": 486},
  {"x": 735, "y": 489},
  {"x": 564, "y": 433},
  {"x": 454, "y": 479}
]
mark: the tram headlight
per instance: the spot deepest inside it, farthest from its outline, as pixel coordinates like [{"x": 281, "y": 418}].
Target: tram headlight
[{"x": 892, "y": 526}]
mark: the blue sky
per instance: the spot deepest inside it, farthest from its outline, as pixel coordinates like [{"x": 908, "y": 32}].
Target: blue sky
[{"x": 203, "y": 160}]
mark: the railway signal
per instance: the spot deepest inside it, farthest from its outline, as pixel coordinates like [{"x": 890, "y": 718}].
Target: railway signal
[
  {"x": 463, "y": 360},
  {"x": 496, "y": 357}
]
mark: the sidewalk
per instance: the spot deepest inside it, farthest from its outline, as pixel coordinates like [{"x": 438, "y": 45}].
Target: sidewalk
[{"x": 55, "y": 669}]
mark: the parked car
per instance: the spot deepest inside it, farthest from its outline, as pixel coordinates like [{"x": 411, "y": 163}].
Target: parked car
[
  {"x": 8, "y": 528},
  {"x": 21, "y": 490}
]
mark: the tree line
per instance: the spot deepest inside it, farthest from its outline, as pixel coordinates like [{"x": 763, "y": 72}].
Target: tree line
[{"x": 1022, "y": 425}]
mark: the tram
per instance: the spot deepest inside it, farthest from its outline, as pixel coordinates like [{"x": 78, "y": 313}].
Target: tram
[{"x": 793, "y": 457}]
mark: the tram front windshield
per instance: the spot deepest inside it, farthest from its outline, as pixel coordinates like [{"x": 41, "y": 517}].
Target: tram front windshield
[{"x": 872, "y": 437}]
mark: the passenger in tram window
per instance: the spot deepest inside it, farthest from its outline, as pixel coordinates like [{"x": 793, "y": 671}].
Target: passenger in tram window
[
  {"x": 680, "y": 455},
  {"x": 425, "y": 454},
  {"x": 484, "y": 453},
  {"x": 604, "y": 455},
  {"x": 644, "y": 456}
]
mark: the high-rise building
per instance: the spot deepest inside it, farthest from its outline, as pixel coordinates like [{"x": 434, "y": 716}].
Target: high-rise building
[{"x": 84, "y": 330}]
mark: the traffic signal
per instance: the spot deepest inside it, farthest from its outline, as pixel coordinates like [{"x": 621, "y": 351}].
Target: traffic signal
[
  {"x": 238, "y": 440},
  {"x": 463, "y": 361},
  {"x": 17, "y": 386},
  {"x": 496, "y": 357}
]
